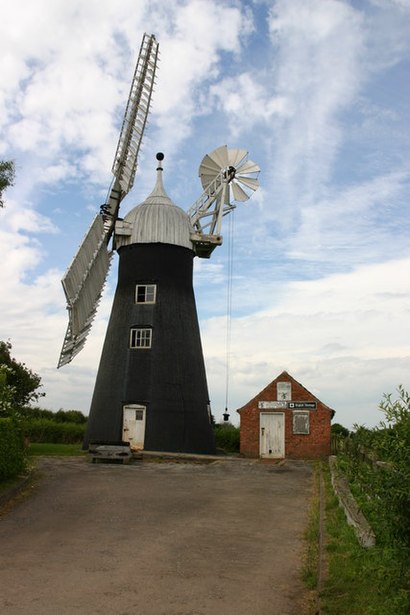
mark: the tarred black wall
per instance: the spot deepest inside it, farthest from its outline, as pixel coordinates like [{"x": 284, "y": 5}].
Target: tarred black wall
[{"x": 169, "y": 379}]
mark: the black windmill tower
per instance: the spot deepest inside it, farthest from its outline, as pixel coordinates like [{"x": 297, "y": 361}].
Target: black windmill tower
[{"x": 151, "y": 387}]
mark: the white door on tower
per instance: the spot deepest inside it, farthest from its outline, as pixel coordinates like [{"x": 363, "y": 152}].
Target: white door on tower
[
  {"x": 272, "y": 435},
  {"x": 133, "y": 430}
]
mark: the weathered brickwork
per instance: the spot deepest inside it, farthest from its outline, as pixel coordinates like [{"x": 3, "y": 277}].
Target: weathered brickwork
[{"x": 314, "y": 445}]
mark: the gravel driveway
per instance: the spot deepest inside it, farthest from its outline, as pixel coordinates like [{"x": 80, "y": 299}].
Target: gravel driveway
[{"x": 156, "y": 539}]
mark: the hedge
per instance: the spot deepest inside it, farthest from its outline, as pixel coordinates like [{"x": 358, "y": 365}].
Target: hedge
[
  {"x": 62, "y": 416},
  {"x": 46, "y": 430},
  {"x": 227, "y": 437},
  {"x": 12, "y": 451}
]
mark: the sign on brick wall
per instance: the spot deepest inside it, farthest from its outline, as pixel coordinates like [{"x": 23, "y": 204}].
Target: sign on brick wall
[
  {"x": 302, "y": 405},
  {"x": 292, "y": 405},
  {"x": 271, "y": 405}
]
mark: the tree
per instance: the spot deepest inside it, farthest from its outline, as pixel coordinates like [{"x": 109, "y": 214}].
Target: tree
[
  {"x": 22, "y": 383},
  {"x": 6, "y": 392},
  {"x": 339, "y": 430},
  {"x": 7, "y": 172},
  {"x": 70, "y": 416}
]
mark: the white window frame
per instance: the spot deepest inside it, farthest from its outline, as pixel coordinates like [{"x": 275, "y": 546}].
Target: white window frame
[
  {"x": 296, "y": 429},
  {"x": 284, "y": 391},
  {"x": 150, "y": 290},
  {"x": 140, "y": 338}
]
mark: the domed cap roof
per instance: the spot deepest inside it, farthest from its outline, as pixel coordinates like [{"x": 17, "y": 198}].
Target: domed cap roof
[{"x": 158, "y": 219}]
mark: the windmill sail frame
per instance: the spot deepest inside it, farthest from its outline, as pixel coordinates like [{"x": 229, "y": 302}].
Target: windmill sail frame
[
  {"x": 83, "y": 284},
  {"x": 85, "y": 278},
  {"x": 135, "y": 118}
]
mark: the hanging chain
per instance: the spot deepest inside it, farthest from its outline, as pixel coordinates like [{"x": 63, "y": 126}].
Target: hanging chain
[{"x": 229, "y": 308}]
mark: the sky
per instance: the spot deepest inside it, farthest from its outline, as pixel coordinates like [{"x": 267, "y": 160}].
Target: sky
[{"x": 317, "y": 91}]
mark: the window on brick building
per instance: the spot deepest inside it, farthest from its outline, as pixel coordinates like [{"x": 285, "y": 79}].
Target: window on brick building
[
  {"x": 301, "y": 423},
  {"x": 284, "y": 391}
]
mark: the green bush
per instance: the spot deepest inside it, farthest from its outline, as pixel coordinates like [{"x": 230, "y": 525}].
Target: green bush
[
  {"x": 12, "y": 452},
  {"x": 62, "y": 416},
  {"x": 359, "y": 581},
  {"x": 70, "y": 416},
  {"x": 384, "y": 488},
  {"x": 47, "y": 430},
  {"x": 339, "y": 430},
  {"x": 377, "y": 464},
  {"x": 33, "y": 412},
  {"x": 227, "y": 437}
]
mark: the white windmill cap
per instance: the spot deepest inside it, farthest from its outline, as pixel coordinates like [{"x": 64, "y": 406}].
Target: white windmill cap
[{"x": 158, "y": 219}]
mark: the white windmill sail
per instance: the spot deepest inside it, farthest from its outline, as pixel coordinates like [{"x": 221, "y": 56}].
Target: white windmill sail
[
  {"x": 83, "y": 284},
  {"x": 85, "y": 278},
  {"x": 222, "y": 172},
  {"x": 136, "y": 114}
]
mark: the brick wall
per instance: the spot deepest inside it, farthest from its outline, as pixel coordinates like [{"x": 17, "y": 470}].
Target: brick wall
[{"x": 314, "y": 445}]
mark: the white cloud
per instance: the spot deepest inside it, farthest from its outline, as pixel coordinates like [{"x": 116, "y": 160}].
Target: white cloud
[
  {"x": 345, "y": 228},
  {"x": 318, "y": 50},
  {"x": 71, "y": 72},
  {"x": 333, "y": 190},
  {"x": 67, "y": 71},
  {"x": 29, "y": 220},
  {"x": 192, "y": 44},
  {"x": 314, "y": 71},
  {"x": 246, "y": 101},
  {"x": 344, "y": 336},
  {"x": 34, "y": 319}
]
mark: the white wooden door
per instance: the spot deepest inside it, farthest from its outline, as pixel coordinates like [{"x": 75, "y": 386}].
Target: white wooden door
[
  {"x": 133, "y": 430},
  {"x": 272, "y": 435}
]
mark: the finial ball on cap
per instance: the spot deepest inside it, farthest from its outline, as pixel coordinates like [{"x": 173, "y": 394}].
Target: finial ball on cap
[{"x": 160, "y": 156}]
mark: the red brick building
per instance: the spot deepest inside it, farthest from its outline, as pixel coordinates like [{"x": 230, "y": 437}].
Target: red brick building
[{"x": 285, "y": 420}]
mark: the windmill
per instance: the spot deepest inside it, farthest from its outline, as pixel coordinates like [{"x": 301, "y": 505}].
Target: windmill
[{"x": 151, "y": 387}]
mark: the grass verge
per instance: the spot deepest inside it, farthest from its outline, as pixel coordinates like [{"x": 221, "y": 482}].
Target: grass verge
[
  {"x": 310, "y": 568},
  {"x": 311, "y": 559},
  {"x": 358, "y": 581},
  {"x": 48, "y": 449}
]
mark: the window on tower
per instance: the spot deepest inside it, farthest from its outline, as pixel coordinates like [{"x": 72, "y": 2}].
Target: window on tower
[
  {"x": 145, "y": 293},
  {"x": 140, "y": 338}
]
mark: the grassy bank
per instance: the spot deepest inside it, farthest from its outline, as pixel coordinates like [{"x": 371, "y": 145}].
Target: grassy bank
[
  {"x": 40, "y": 448},
  {"x": 358, "y": 581}
]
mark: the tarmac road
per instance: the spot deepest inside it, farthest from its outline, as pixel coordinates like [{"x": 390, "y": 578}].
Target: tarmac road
[{"x": 156, "y": 539}]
